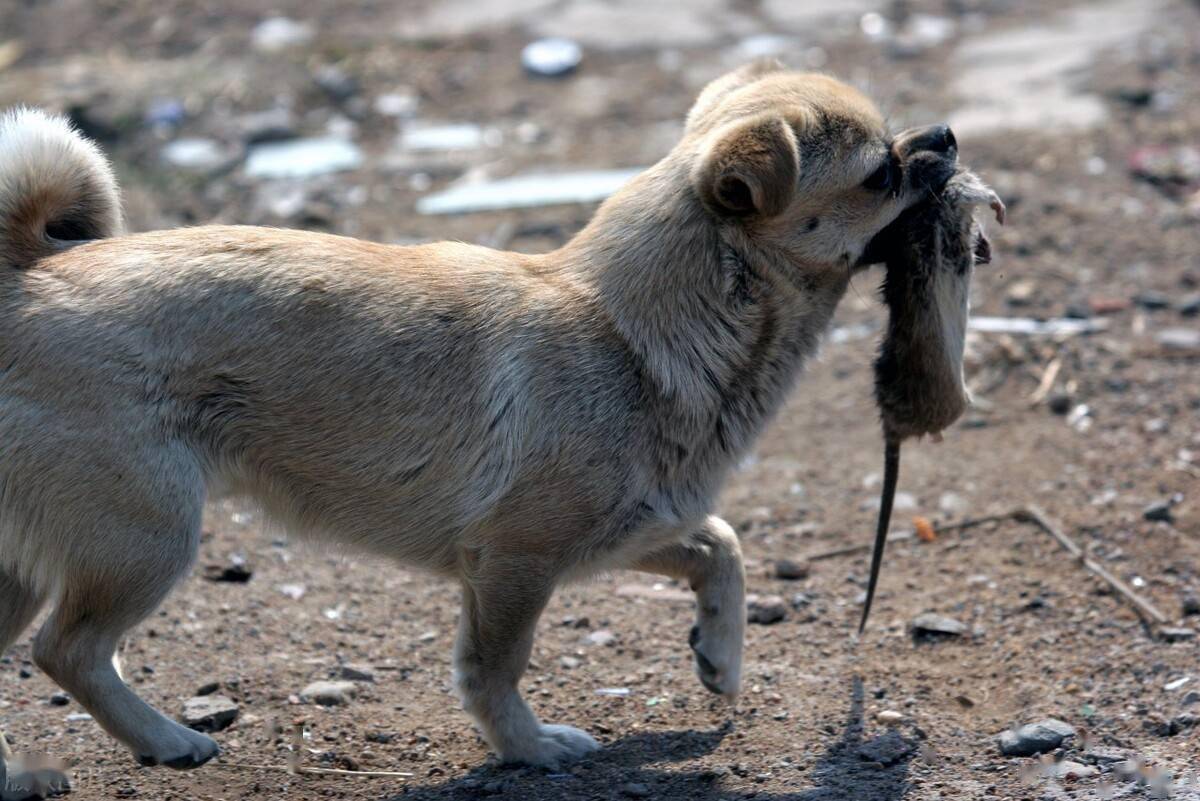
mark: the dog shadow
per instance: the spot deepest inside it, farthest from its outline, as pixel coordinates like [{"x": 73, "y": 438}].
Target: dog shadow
[{"x": 853, "y": 768}]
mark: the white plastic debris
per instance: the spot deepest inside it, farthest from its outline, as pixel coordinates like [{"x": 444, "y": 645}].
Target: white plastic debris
[
  {"x": 1026, "y": 325},
  {"x": 453, "y": 136},
  {"x": 551, "y": 57},
  {"x": 198, "y": 155},
  {"x": 277, "y": 33},
  {"x": 526, "y": 191},
  {"x": 302, "y": 158}
]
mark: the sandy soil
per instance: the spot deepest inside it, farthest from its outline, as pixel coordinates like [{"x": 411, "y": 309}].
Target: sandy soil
[{"x": 1117, "y": 430}]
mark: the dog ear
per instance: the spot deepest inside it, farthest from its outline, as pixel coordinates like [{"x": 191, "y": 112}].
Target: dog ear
[{"x": 749, "y": 169}]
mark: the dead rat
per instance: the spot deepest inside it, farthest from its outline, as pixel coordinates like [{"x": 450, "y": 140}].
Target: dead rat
[{"x": 929, "y": 253}]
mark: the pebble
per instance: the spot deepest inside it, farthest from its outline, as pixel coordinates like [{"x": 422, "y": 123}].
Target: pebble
[
  {"x": 1035, "y": 738},
  {"x": 1060, "y": 403},
  {"x": 356, "y": 673},
  {"x": 1189, "y": 306},
  {"x": 339, "y": 84},
  {"x": 1191, "y": 698},
  {"x": 397, "y": 104},
  {"x": 1191, "y": 605},
  {"x": 552, "y": 57},
  {"x": 1152, "y": 300},
  {"x": 1185, "y": 339},
  {"x": 208, "y": 689},
  {"x": 569, "y": 662},
  {"x": 209, "y": 713},
  {"x": 790, "y": 570},
  {"x": 236, "y": 573},
  {"x": 1159, "y": 511},
  {"x": 601, "y": 637},
  {"x": 1177, "y": 633},
  {"x": 889, "y": 717},
  {"x": 931, "y": 625},
  {"x": 635, "y": 790},
  {"x": 766, "y": 610},
  {"x": 329, "y": 693},
  {"x": 60, "y": 699},
  {"x": 1069, "y": 771}
]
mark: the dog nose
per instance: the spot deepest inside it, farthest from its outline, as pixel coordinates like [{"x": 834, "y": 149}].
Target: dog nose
[{"x": 936, "y": 138}]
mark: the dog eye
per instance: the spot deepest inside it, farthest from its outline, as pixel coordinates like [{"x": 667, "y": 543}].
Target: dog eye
[{"x": 882, "y": 178}]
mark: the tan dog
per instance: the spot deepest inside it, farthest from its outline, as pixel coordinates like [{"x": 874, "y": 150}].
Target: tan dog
[{"x": 511, "y": 421}]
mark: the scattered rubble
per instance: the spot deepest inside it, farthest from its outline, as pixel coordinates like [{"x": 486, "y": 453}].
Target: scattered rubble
[{"x": 209, "y": 713}]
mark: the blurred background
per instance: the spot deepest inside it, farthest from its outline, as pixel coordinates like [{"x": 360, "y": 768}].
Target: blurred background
[{"x": 503, "y": 122}]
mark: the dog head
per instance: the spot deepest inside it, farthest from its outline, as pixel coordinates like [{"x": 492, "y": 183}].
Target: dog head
[{"x": 805, "y": 165}]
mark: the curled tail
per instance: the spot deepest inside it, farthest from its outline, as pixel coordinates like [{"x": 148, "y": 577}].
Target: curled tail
[{"x": 56, "y": 188}]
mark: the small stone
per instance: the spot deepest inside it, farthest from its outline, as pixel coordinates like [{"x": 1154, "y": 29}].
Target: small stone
[
  {"x": 336, "y": 82},
  {"x": 1191, "y": 605},
  {"x": 1060, "y": 403},
  {"x": 1152, "y": 300},
  {"x": 1189, "y": 306},
  {"x": 1180, "y": 339},
  {"x": 601, "y": 637},
  {"x": 1159, "y": 511},
  {"x": 1191, "y": 698},
  {"x": 889, "y": 717},
  {"x": 552, "y": 57},
  {"x": 356, "y": 673},
  {"x": 208, "y": 689},
  {"x": 635, "y": 790},
  {"x": 931, "y": 625},
  {"x": 1021, "y": 293},
  {"x": 236, "y": 573},
  {"x": 60, "y": 699},
  {"x": 790, "y": 570},
  {"x": 1070, "y": 771},
  {"x": 397, "y": 104},
  {"x": 1177, "y": 634},
  {"x": 209, "y": 713},
  {"x": 766, "y": 610},
  {"x": 329, "y": 693},
  {"x": 24, "y": 673},
  {"x": 569, "y": 662},
  {"x": 1103, "y": 755},
  {"x": 381, "y": 737},
  {"x": 1035, "y": 738}
]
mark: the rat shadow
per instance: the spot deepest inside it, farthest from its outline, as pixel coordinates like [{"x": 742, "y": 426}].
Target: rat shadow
[{"x": 853, "y": 768}]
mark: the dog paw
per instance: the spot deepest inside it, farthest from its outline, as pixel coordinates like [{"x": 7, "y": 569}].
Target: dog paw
[
  {"x": 554, "y": 747},
  {"x": 181, "y": 749},
  {"x": 718, "y": 654}
]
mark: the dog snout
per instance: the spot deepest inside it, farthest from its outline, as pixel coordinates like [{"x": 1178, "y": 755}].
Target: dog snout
[{"x": 930, "y": 139}]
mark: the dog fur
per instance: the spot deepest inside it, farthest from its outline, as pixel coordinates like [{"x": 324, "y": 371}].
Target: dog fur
[{"x": 510, "y": 421}]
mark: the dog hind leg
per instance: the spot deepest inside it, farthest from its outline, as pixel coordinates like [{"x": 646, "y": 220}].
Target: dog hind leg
[
  {"x": 502, "y": 600},
  {"x": 18, "y": 607},
  {"x": 710, "y": 559},
  {"x": 99, "y": 604}
]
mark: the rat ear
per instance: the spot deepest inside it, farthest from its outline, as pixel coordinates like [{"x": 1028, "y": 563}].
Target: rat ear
[{"x": 749, "y": 169}]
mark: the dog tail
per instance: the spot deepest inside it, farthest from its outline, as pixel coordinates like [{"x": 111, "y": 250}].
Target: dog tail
[{"x": 56, "y": 188}]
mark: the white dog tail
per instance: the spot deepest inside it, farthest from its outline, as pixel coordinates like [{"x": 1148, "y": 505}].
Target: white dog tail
[{"x": 56, "y": 188}]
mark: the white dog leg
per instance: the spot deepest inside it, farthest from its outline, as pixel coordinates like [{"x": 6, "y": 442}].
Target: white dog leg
[
  {"x": 18, "y": 607},
  {"x": 710, "y": 559}
]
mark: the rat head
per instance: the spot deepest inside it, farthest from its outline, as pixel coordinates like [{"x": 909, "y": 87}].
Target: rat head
[{"x": 805, "y": 166}]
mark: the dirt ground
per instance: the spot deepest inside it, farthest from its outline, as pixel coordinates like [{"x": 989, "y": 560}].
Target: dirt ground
[{"x": 1085, "y": 117}]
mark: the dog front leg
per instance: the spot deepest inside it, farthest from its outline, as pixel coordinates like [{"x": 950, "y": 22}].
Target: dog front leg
[
  {"x": 503, "y": 596},
  {"x": 710, "y": 560}
]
